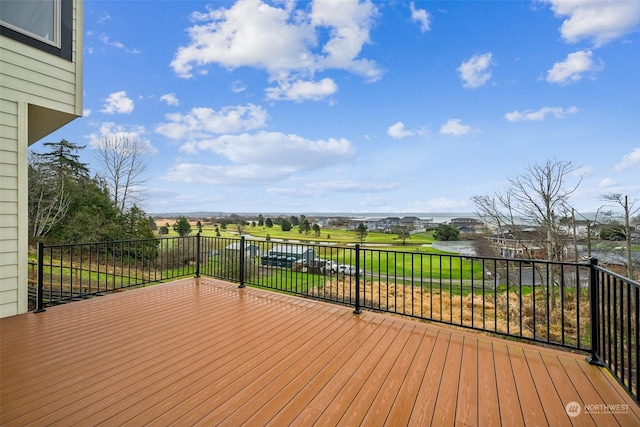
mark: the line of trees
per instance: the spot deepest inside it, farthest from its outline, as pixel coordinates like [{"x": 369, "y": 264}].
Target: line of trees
[{"x": 66, "y": 203}]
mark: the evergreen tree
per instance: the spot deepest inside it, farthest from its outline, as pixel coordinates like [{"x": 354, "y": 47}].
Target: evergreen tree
[
  {"x": 182, "y": 226},
  {"x": 285, "y": 225},
  {"x": 63, "y": 159},
  {"x": 446, "y": 232},
  {"x": 361, "y": 232},
  {"x": 152, "y": 224},
  {"x": 304, "y": 226}
]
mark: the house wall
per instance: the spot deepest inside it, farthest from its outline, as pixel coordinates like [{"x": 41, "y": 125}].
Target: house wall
[
  {"x": 12, "y": 184},
  {"x": 39, "y": 93}
]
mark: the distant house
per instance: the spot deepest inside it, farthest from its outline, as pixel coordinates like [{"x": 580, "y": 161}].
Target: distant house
[
  {"x": 286, "y": 255},
  {"x": 409, "y": 221},
  {"x": 466, "y": 230},
  {"x": 521, "y": 244},
  {"x": 249, "y": 250},
  {"x": 41, "y": 47},
  {"x": 385, "y": 225},
  {"x": 467, "y": 225},
  {"x": 424, "y": 224}
]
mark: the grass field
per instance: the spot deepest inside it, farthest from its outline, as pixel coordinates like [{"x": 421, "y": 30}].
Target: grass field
[{"x": 338, "y": 236}]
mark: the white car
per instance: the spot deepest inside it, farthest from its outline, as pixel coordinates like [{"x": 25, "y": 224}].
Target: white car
[
  {"x": 348, "y": 270},
  {"x": 331, "y": 267}
]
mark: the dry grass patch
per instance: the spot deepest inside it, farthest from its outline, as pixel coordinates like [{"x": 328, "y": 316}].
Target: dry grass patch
[{"x": 512, "y": 314}]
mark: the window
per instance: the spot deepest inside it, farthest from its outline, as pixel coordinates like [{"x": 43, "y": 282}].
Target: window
[{"x": 43, "y": 24}]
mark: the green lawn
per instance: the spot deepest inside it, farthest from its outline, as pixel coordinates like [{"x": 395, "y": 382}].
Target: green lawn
[{"x": 326, "y": 235}]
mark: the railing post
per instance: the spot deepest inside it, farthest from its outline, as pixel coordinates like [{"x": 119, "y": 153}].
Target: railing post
[
  {"x": 40, "y": 279},
  {"x": 198, "y": 254},
  {"x": 241, "y": 262},
  {"x": 594, "y": 358},
  {"x": 357, "y": 276}
]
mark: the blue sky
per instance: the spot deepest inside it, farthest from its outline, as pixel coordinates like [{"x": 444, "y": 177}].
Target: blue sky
[{"x": 362, "y": 106}]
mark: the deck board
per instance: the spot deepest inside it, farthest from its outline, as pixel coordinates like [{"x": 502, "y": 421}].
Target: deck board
[
  {"x": 204, "y": 352},
  {"x": 488, "y": 415}
]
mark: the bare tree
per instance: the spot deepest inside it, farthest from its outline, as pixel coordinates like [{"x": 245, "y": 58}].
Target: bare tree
[
  {"x": 628, "y": 210},
  {"x": 48, "y": 199},
  {"x": 534, "y": 201},
  {"x": 124, "y": 163}
]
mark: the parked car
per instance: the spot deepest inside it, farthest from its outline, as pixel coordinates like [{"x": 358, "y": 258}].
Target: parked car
[
  {"x": 330, "y": 267},
  {"x": 349, "y": 270}
]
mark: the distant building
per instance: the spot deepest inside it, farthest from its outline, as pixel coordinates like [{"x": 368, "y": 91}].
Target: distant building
[
  {"x": 467, "y": 225},
  {"x": 249, "y": 250},
  {"x": 385, "y": 225},
  {"x": 286, "y": 255}
]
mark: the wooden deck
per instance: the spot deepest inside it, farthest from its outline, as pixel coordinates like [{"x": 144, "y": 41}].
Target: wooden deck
[{"x": 205, "y": 352}]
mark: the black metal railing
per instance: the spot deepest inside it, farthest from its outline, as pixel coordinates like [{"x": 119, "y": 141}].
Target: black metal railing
[
  {"x": 78, "y": 271},
  {"x": 616, "y": 337},
  {"x": 534, "y": 300},
  {"x": 578, "y": 306}
]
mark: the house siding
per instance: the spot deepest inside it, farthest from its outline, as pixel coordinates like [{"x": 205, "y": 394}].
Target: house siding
[
  {"x": 9, "y": 207},
  {"x": 29, "y": 75},
  {"x": 39, "y": 93}
]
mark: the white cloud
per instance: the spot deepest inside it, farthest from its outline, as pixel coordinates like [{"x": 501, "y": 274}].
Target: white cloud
[
  {"x": 303, "y": 90},
  {"x": 557, "y": 112},
  {"x": 349, "y": 186},
  {"x": 120, "y": 132},
  {"x": 205, "y": 122},
  {"x": 105, "y": 39},
  {"x": 583, "y": 171},
  {"x": 236, "y": 175},
  {"x": 237, "y": 86},
  {"x": 249, "y": 33},
  {"x": 421, "y": 16},
  {"x": 118, "y": 45},
  {"x": 317, "y": 189},
  {"x": 475, "y": 72},
  {"x": 276, "y": 149},
  {"x": 607, "y": 182},
  {"x": 629, "y": 160},
  {"x": 86, "y": 112},
  {"x": 348, "y": 23},
  {"x": 118, "y": 102},
  {"x": 599, "y": 21},
  {"x": 454, "y": 127},
  {"x": 398, "y": 131},
  {"x": 439, "y": 204},
  {"x": 281, "y": 40},
  {"x": 260, "y": 157},
  {"x": 572, "y": 68},
  {"x": 170, "y": 99},
  {"x": 105, "y": 18}
]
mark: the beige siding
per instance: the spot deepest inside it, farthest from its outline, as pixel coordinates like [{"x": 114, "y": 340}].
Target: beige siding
[
  {"x": 33, "y": 76},
  {"x": 39, "y": 93},
  {"x": 9, "y": 241}
]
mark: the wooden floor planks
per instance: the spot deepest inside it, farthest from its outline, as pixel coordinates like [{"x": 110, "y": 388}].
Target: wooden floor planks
[{"x": 204, "y": 352}]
